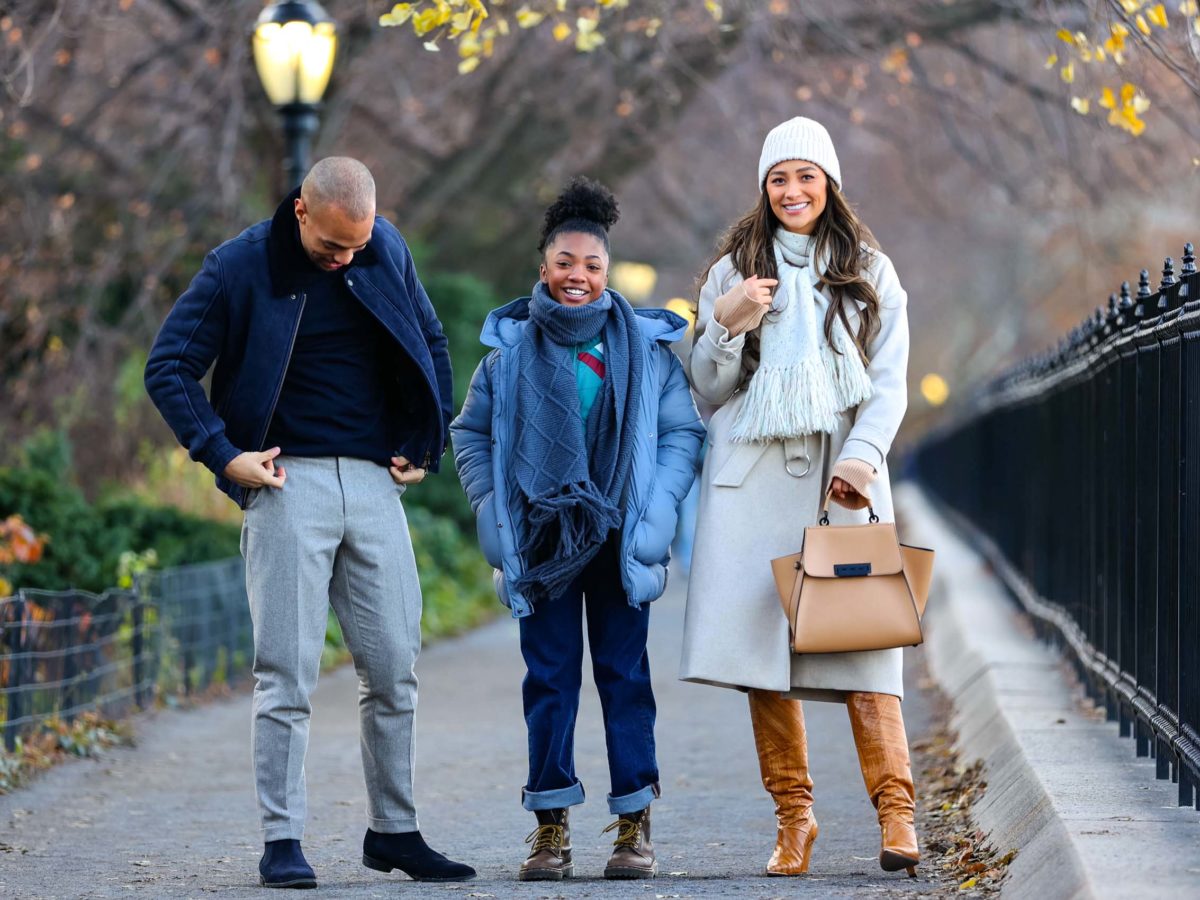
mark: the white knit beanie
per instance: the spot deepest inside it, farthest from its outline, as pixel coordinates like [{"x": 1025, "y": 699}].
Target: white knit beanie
[{"x": 799, "y": 138}]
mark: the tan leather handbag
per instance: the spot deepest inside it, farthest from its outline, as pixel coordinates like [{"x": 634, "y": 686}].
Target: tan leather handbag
[{"x": 853, "y": 587}]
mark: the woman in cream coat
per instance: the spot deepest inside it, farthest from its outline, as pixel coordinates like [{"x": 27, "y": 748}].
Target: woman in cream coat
[{"x": 810, "y": 396}]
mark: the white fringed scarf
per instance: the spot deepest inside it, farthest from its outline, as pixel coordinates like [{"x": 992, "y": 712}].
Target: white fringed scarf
[{"x": 801, "y": 384}]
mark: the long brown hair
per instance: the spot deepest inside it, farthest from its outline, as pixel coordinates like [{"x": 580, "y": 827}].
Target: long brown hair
[{"x": 840, "y": 235}]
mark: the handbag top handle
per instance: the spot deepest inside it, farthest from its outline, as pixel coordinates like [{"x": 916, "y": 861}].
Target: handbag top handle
[{"x": 824, "y": 520}]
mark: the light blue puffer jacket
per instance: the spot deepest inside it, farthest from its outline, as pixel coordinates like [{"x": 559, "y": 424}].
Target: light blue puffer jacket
[{"x": 664, "y": 455}]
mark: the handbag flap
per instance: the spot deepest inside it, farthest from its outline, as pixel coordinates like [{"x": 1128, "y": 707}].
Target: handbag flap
[{"x": 851, "y": 548}]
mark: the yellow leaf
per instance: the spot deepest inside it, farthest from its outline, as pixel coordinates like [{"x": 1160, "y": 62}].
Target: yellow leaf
[
  {"x": 1051, "y": 60},
  {"x": 460, "y": 22},
  {"x": 1066, "y": 37},
  {"x": 528, "y": 18},
  {"x": 502, "y": 26},
  {"x": 1100, "y": 54},
  {"x": 1140, "y": 104},
  {"x": 1158, "y": 15},
  {"x": 562, "y": 31},
  {"x": 562, "y": 5},
  {"x": 1132, "y": 6},
  {"x": 1068, "y": 72},
  {"x": 469, "y": 46},
  {"x": 467, "y": 66},
  {"x": 1196, "y": 25},
  {"x": 968, "y": 884},
  {"x": 587, "y": 42},
  {"x": 1189, "y": 8},
  {"x": 5, "y": 587},
  {"x": 714, "y": 9},
  {"x": 1081, "y": 105},
  {"x": 1140, "y": 21},
  {"x": 585, "y": 26},
  {"x": 1085, "y": 54},
  {"x": 1107, "y": 99},
  {"x": 432, "y": 47},
  {"x": 479, "y": 8},
  {"x": 399, "y": 14},
  {"x": 425, "y": 21},
  {"x": 1127, "y": 92}
]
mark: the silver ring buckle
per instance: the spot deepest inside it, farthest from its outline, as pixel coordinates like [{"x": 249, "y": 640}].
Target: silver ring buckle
[{"x": 787, "y": 465}]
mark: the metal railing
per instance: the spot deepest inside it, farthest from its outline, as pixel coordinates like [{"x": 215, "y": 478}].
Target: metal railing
[
  {"x": 67, "y": 652},
  {"x": 1079, "y": 474}
]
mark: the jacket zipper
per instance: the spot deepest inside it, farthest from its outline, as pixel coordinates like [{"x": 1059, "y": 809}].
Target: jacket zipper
[{"x": 282, "y": 378}]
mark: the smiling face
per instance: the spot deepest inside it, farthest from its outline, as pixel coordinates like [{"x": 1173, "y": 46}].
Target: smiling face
[
  {"x": 575, "y": 268},
  {"x": 797, "y": 191},
  {"x": 329, "y": 236}
]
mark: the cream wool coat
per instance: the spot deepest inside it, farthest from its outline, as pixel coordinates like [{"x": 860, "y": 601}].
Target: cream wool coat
[{"x": 752, "y": 510}]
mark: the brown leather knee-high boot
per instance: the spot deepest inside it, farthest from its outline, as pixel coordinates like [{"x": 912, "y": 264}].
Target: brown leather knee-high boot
[
  {"x": 783, "y": 760},
  {"x": 883, "y": 754}
]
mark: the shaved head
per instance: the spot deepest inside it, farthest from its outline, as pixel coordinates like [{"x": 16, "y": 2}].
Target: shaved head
[{"x": 342, "y": 182}]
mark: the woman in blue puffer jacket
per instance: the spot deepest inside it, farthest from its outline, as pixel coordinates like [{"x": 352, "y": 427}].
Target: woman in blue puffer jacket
[{"x": 576, "y": 444}]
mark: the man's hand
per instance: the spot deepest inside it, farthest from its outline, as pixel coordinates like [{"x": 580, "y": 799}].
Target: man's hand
[
  {"x": 404, "y": 472},
  {"x": 254, "y": 470}
]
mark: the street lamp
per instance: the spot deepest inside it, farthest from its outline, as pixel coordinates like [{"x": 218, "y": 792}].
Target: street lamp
[{"x": 294, "y": 45}]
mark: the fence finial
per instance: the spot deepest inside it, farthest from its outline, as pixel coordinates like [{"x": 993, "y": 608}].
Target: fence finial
[
  {"x": 1141, "y": 312},
  {"x": 1189, "y": 260},
  {"x": 1165, "y": 293},
  {"x": 1168, "y": 274}
]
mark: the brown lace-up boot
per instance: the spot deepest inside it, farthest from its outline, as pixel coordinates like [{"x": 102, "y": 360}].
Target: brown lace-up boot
[
  {"x": 550, "y": 856},
  {"x": 783, "y": 760},
  {"x": 883, "y": 755},
  {"x": 633, "y": 854}
]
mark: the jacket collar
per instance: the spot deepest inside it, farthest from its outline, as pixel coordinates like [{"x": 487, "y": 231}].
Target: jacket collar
[{"x": 289, "y": 266}]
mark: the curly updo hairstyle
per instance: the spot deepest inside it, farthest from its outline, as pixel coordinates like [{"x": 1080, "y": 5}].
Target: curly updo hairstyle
[{"x": 584, "y": 207}]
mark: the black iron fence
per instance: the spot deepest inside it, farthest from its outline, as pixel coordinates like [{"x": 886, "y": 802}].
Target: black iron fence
[
  {"x": 64, "y": 653},
  {"x": 1079, "y": 472}
]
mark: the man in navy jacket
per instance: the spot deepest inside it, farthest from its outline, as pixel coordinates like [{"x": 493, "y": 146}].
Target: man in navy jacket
[{"x": 331, "y": 393}]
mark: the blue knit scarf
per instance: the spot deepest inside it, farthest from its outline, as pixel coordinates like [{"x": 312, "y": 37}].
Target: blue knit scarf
[{"x": 572, "y": 477}]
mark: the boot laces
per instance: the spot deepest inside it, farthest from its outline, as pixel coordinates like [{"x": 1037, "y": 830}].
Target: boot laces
[
  {"x": 629, "y": 834},
  {"x": 545, "y": 837}
]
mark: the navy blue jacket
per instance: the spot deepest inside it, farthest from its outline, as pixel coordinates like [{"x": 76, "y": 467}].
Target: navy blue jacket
[{"x": 242, "y": 312}]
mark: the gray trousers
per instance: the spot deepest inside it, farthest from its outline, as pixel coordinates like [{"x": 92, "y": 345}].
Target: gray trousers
[{"x": 335, "y": 533}]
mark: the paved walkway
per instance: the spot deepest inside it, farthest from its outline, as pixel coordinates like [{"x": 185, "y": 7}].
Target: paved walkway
[{"x": 175, "y": 817}]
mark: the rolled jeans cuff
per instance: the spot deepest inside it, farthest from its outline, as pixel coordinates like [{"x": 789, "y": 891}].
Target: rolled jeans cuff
[
  {"x": 635, "y": 802},
  {"x": 559, "y": 798}
]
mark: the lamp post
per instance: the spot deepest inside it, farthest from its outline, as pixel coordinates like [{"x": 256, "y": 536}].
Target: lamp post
[{"x": 294, "y": 45}]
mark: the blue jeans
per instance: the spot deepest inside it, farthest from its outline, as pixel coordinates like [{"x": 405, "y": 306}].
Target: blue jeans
[{"x": 552, "y": 645}]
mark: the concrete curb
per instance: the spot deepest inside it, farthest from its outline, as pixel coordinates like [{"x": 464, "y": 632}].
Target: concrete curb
[{"x": 1087, "y": 818}]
